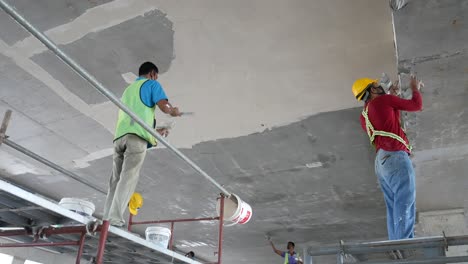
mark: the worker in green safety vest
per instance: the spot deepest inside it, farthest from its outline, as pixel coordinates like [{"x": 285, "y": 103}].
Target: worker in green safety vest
[
  {"x": 131, "y": 140},
  {"x": 290, "y": 256}
]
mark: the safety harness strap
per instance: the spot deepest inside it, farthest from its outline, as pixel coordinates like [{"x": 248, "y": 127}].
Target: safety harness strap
[{"x": 372, "y": 133}]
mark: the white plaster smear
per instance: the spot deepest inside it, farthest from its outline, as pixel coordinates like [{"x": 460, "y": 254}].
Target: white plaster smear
[
  {"x": 314, "y": 165},
  {"x": 15, "y": 166},
  {"x": 93, "y": 20},
  {"x": 84, "y": 162},
  {"x": 129, "y": 77}
]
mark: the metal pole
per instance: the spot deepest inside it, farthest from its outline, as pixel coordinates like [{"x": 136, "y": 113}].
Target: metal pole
[
  {"x": 221, "y": 222},
  {"x": 171, "y": 241},
  {"x": 339, "y": 258},
  {"x": 436, "y": 260},
  {"x": 80, "y": 250},
  {"x": 92, "y": 80},
  {"x": 48, "y": 231},
  {"x": 306, "y": 258},
  {"x": 383, "y": 246},
  {"x": 130, "y": 223},
  {"x": 102, "y": 242},
  {"x": 341, "y": 253},
  {"x": 175, "y": 221},
  {"x": 51, "y": 164},
  {"x": 3, "y": 128},
  {"x": 55, "y": 244}
]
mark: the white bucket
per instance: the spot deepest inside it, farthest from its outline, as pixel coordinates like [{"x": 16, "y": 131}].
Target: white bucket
[
  {"x": 158, "y": 235},
  {"x": 79, "y": 206},
  {"x": 235, "y": 210}
]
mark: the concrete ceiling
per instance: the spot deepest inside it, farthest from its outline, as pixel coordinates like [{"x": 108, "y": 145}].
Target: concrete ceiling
[{"x": 269, "y": 82}]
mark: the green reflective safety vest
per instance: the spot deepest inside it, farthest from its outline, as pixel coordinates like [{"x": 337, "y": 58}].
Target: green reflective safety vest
[
  {"x": 286, "y": 257},
  {"x": 371, "y": 132},
  {"x": 125, "y": 124}
]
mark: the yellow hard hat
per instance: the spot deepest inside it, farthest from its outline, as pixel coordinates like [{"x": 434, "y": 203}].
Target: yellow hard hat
[
  {"x": 360, "y": 86},
  {"x": 135, "y": 203}
]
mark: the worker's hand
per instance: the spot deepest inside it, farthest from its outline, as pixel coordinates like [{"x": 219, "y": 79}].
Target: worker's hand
[
  {"x": 175, "y": 112},
  {"x": 415, "y": 84},
  {"x": 395, "y": 89},
  {"x": 163, "y": 132}
]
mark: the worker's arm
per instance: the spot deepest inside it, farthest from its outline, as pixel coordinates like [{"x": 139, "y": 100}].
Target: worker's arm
[
  {"x": 395, "y": 89},
  {"x": 167, "y": 108},
  {"x": 159, "y": 97},
  {"x": 412, "y": 105},
  {"x": 279, "y": 252}
]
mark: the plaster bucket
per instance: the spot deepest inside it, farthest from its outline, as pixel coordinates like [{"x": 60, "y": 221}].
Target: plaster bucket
[
  {"x": 236, "y": 211},
  {"x": 78, "y": 206},
  {"x": 158, "y": 235}
]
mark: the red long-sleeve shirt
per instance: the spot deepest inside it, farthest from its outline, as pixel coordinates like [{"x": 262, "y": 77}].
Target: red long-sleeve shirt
[{"x": 384, "y": 115}]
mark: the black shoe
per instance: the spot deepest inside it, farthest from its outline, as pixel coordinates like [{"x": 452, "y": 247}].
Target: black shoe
[
  {"x": 399, "y": 254},
  {"x": 392, "y": 255}
]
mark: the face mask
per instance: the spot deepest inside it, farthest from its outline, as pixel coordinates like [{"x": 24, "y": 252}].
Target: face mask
[{"x": 381, "y": 91}]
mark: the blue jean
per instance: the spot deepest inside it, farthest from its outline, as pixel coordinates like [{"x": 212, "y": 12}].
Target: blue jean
[{"x": 397, "y": 181}]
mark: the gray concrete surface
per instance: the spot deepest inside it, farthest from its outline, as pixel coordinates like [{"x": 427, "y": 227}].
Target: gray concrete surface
[
  {"x": 431, "y": 40},
  {"x": 275, "y": 119},
  {"x": 44, "y": 14},
  {"x": 112, "y": 52}
]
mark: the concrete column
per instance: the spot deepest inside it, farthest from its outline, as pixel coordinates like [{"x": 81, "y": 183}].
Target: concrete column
[
  {"x": 307, "y": 259},
  {"x": 17, "y": 260}
]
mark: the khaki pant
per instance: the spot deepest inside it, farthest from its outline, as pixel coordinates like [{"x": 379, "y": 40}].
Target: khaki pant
[{"x": 129, "y": 154}]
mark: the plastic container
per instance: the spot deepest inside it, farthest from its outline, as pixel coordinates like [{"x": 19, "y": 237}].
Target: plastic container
[
  {"x": 158, "y": 235},
  {"x": 236, "y": 211},
  {"x": 79, "y": 206}
]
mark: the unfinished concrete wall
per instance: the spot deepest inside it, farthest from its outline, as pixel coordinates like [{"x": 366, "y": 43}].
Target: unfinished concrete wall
[{"x": 431, "y": 39}]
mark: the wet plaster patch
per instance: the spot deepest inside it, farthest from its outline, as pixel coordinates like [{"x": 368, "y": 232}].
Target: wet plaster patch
[
  {"x": 44, "y": 15},
  {"x": 112, "y": 52}
]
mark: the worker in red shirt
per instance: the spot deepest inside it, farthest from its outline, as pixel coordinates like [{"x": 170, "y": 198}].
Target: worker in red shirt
[{"x": 380, "y": 119}]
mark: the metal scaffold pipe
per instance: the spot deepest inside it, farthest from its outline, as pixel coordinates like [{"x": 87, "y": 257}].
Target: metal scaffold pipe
[
  {"x": 100, "y": 87},
  {"x": 51, "y": 164},
  {"x": 383, "y": 246}
]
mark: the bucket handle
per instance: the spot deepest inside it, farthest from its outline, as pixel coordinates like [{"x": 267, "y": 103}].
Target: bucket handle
[{"x": 82, "y": 206}]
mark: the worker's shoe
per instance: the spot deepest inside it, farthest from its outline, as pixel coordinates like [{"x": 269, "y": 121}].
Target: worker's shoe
[
  {"x": 118, "y": 224},
  {"x": 399, "y": 254},
  {"x": 392, "y": 255}
]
